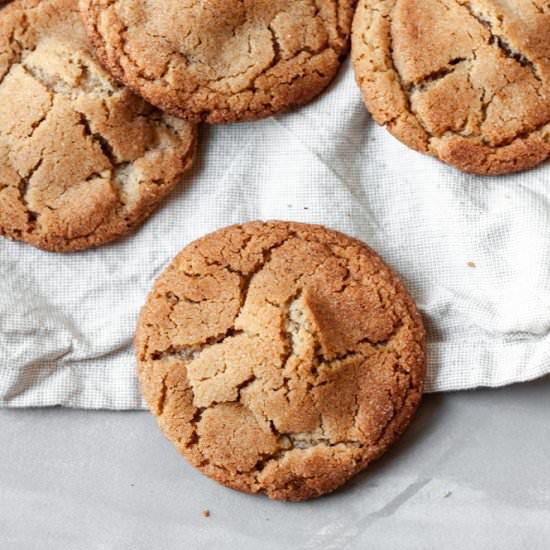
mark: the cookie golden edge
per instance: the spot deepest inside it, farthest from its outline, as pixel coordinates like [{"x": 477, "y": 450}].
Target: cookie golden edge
[
  {"x": 320, "y": 474},
  {"x": 115, "y": 229},
  {"x": 387, "y": 102},
  {"x": 300, "y": 92}
]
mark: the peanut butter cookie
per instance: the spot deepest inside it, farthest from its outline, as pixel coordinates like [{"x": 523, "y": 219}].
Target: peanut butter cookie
[
  {"x": 82, "y": 159},
  {"x": 280, "y": 357},
  {"x": 221, "y": 60},
  {"x": 467, "y": 81}
]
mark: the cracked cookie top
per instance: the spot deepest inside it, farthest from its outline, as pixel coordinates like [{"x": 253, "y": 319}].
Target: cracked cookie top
[
  {"x": 465, "y": 80},
  {"x": 82, "y": 159},
  {"x": 280, "y": 357},
  {"x": 221, "y": 60}
]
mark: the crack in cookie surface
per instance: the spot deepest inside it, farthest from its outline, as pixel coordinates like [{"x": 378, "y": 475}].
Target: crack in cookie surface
[
  {"x": 472, "y": 89},
  {"x": 220, "y": 61},
  {"x": 85, "y": 160},
  {"x": 280, "y": 351}
]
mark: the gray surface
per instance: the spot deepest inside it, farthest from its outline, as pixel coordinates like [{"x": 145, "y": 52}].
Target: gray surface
[{"x": 473, "y": 471}]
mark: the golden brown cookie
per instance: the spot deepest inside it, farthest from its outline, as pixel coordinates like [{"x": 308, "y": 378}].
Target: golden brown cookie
[
  {"x": 467, "y": 81},
  {"x": 221, "y": 60},
  {"x": 280, "y": 357},
  {"x": 82, "y": 159}
]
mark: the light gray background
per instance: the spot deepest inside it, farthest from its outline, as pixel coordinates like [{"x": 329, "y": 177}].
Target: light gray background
[{"x": 473, "y": 471}]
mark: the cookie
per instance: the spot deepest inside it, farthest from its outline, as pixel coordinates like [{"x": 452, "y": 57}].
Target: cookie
[
  {"x": 82, "y": 159},
  {"x": 280, "y": 357},
  {"x": 221, "y": 60},
  {"x": 466, "y": 81}
]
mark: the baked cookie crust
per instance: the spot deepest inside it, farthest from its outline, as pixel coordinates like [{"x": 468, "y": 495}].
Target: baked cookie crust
[
  {"x": 280, "y": 357},
  {"x": 467, "y": 81},
  {"x": 82, "y": 159},
  {"x": 221, "y": 60}
]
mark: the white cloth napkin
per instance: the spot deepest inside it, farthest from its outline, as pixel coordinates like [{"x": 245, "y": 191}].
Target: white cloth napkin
[{"x": 474, "y": 252}]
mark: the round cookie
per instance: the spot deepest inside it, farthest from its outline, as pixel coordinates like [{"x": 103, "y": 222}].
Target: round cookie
[
  {"x": 82, "y": 159},
  {"x": 466, "y": 81},
  {"x": 280, "y": 357},
  {"x": 221, "y": 60}
]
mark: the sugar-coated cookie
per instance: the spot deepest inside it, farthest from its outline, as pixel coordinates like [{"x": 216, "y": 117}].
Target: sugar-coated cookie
[
  {"x": 221, "y": 60},
  {"x": 280, "y": 357},
  {"x": 467, "y": 81},
  {"x": 82, "y": 159}
]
